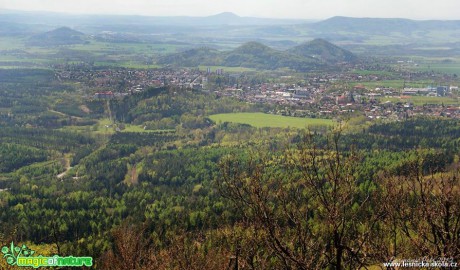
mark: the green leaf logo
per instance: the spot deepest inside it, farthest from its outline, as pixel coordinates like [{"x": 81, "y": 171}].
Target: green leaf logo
[{"x": 12, "y": 253}]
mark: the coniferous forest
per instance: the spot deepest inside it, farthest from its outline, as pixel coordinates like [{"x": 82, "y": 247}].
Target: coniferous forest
[
  {"x": 254, "y": 144},
  {"x": 195, "y": 194}
]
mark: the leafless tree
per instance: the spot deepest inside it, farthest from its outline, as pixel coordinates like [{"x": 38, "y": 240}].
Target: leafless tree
[
  {"x": 309, "y": 204},
  {"x": 427, "y": 211}
]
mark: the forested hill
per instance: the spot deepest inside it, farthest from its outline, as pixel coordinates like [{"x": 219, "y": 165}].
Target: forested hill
[
  {"x": 324, "y": 51},
  {"x": 308, "y": 56},
  {"x": 56, "y": 37}
]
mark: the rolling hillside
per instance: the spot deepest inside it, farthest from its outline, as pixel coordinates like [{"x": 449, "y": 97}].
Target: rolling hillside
[
  {"x": 324, "y": 51},
  {"x": 309, "y": 56},
  {"x": 257, "y": 55},
  {"x": 193, "y": 57}
]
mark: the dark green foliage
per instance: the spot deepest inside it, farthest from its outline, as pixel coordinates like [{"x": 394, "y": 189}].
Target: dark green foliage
[
  {"x": 399, "y": 163},
  {"x": 184, "y": 166},
  {"x": 96, "y": 107},
  {"x": 420, "y": 127},
  {"x": 44, "y": 139},
  {"x": 70, "y": 108},
  {"x": 175, "y": 192},
  {"x": 27, "y": 95},
  {"x": 81, "y": 153},
  {"x": 162, "y": 108},
  {"x": 24, "y": 146},
  {"x": 28, "y": 107},
  {"x": 143, "y": 139},
  {"x": 25, "y": 76},
  {"x": 121, "y": 108},
  {"x": 406, "y": 135},
  {"x": 14, "y": 156}
]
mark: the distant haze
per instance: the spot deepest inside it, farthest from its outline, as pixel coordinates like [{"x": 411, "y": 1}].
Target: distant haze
[{"x": 299, "y": 9}]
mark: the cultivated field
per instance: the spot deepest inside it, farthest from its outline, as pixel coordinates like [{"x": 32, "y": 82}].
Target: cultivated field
[
  {"x": 421, "y": 100},
  {"x": 260, "y": 120}
]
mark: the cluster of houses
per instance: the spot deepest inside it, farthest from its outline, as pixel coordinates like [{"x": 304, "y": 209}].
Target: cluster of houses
[
  {"x": 128, "y": 80},
  {"x": 438, "y": 91},
  {"x": 316, "y": 97},
  {"x": 378, "y": 103}
]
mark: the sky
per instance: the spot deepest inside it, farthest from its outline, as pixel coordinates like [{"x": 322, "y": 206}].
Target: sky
[{"x": 295, "y": 9}]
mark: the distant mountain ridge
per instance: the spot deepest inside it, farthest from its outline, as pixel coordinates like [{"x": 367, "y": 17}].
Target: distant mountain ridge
[
  {"x": 309, "y": 56},
  {"x": 383, "y": 25},
  {"x": 361, "y": 35},
  {"x": 225, "y": 18}
]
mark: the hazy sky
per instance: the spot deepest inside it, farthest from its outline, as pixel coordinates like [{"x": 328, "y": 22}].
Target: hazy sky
[{"x": 302, "y": 9}]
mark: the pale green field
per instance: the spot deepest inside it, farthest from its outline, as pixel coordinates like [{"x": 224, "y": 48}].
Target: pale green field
[
  {"x": 450, "y": 68},
  {"x": 227, "y": 69},
  {"x": 100, "y": 128},
  {"x": 138, "y": 48},
  {"x": 421, "y": 100},
  {"x": 260, "y": 120},
  {"x": 396, "y": 84},
  {"x": 129, "y": 64},
  {"x": 372, "y": 72},
  {"x": 105, "y": 53}
]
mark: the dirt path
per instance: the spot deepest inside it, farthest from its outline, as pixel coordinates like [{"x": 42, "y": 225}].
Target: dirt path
[{"x": 67, "y": 168}]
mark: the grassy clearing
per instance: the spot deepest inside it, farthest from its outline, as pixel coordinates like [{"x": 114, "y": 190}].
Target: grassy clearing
[
  {"x": 373, "y": 72},
  {"x": 134, "y": 48},
  {"x": 260, "y": 120},
  {"x": 105, "y": 53},
  {"x": 396, "y": 84},
  {"x": 421, "y": 100},
  {"x": 129, "y": 64},
  {"x": 450, "y": 68},
  {"x": 227, "y": 69},
  {"x": 105, "y": 126},
  {"x": 11, "y": 43}
]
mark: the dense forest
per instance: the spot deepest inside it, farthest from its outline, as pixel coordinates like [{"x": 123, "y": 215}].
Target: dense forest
[{"x": 189, "y": 193}]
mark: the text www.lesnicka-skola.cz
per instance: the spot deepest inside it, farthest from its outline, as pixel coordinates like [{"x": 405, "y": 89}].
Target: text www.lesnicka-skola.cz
[{"x": 437, "y": 263}]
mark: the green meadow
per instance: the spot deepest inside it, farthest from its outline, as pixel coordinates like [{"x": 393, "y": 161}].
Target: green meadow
[
  {"x": 105, "y": 126},
  {"x": 397, "y": 84},
  {"x": 421, "y": 100},
  {"x": 128, "y": 55},
  {"x": 227, "y": 69},
  {"x": 261, "y": 120},
  {"x": 449, "y": 67}
]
